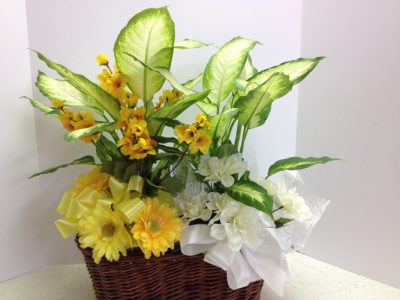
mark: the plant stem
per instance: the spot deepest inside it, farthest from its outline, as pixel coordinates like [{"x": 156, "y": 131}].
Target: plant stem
[
  {"x": 177, "y": 163},
  {"x": 238, "y": 133},
  {"x": 245, "y": 131},
  {"x": 278, "y": 209}
]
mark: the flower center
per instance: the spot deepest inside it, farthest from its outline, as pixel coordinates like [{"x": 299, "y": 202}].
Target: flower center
[
  {"x": 108, "y": 230},
  {"x": 154, "y": 226}
]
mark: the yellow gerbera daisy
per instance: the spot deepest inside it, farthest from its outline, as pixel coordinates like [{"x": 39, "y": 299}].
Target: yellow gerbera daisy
[
  {"x": 95, "y": 180},
  {"x": 104, "y": 231},
  {"x": 157, "y": 228}
]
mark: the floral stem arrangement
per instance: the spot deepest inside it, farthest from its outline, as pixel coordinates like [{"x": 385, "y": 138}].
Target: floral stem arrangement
[{"x": 158, "y": 184}]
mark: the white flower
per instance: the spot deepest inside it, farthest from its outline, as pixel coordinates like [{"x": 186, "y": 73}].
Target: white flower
[
  {"x": 289, "y": 198},
  {"x": 240, "y": 224},
  {"x": 193, "y": 206},
  {"x": 217, "y": 202},
  {"x": 216, "y": 169}
]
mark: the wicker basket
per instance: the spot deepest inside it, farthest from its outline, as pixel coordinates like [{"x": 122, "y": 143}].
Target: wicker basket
[{"x": 170, "y": 276}]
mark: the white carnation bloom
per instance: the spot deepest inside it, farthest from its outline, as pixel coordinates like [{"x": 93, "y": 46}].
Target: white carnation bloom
[
  {"x": 217, "y": 202},
  {"x": 240, "y": 225},
  {"x": 216, "y": 169},
  {"x": 289, "y": 198},
  {"x": 193, "y": 206}
]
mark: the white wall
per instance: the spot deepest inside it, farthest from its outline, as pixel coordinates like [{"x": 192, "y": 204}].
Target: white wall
[
  {"x": 74, "y": 32},
  {"x": 20, "y": 207},
  {"x": 350, "y": 109}
]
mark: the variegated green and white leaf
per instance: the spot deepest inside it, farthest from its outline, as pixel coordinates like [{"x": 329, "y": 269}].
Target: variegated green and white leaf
[
  {"x": 297, "y": 163},
  {"x": 220, "y": 123},
  {"x": 164, "y": 73},
  {"x": 189, "y": 44},
  {"x": 208, "y": 108},
  {"x": 193, "y": 82},
  {"x": 149, "y": 36},
  {"x": 40, "y": 106},
  {"x": 95, "y": 95},
  {"x": 297, "y": 70},
  {"x": 225, "y": 67},
  {"x": 172, "y": 110},
  {"x": 86, "y": 160},
  {"x": 251, "y": 194},
  {"x": 256, "y": 105},
  {"x": 63, "y": 90},
  {"x": 76, "y": 134},
  {"x": 248, "y": 70}
]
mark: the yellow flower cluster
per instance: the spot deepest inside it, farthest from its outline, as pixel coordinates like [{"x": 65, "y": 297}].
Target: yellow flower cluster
[
  {"x": 73, "y": 121},
  {"x": 168, "y": 96},
  {"x": 195, "y": 135},
  {"x": 136, "y": 142},
  {"x": 115, "y": 83}
]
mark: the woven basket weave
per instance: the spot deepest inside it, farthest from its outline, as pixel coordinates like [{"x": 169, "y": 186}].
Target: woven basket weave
[{"x": 170, "y": 276}]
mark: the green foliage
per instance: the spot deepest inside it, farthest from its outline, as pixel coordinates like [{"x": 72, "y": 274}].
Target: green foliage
[
  {"x": 42, "y": 107},
  {"x": 225, "y": 67},
  {"x": 85, "y": 160},
  {"x": 251, "y": 194},
  {"x": 189, "y": 44},
  {"x": 255, "y": 106},
  {"x": 297, "y": 163},
  {"x": 149, "y": 36},
  {"x": 96, "y": 96},
  {"x": 282, "y": 222},
  {"x": 76, "y": 134}
]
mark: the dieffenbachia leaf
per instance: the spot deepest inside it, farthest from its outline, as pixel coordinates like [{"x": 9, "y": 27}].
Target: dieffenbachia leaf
[
  {"x": 40, "y": 106},
  {"x": 76, "y": 134},
  {"x": 192, "y": 83},
  {"x": 256, "y": 105},
  {"x": 297, "y": 70},
  {"x": 149, "y": 36},
  {"x": 95, "y": 95},
  {"x": 85, "y": 160},
  {"x": 189, "y": 44},
  {"x": 297, "y": 163},
  {"x": 164, "y": 72},
  {"x": 251, "y": 194},
  {"x": 248, "y": 70},
  {"x": 221, "y": 122},
  {"x": 172, "y": 110},
  {"x": 63, "y": 90},
  {"x": 225, "y": 67},
  {"x": 208, "y": 108}
]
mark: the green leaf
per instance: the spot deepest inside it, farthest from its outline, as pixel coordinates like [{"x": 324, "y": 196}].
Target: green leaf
[
  {"x": 220, "y": 123},
  {"x": 256, "y": 105},
  {"x": 282, "y": 222},
  {"x": 165, "y": 140},
  {"x": 85, "y": 160},
  {"x": 169, "y": 122},
  {"x": 41, "y": 107},
  {"x": 63, "y": 90},
  {"x": 189, "y": 44},
  {"x": 297, "y": 163},
  {"x": 225, "y": 67},
  {"x": 149, "y": 36},
  {"x": 208, "y": 108},
  {"x": 251, "y": 194},
  {"x": 297, "y": 70},
  {"x": 226, "y": 150},
  {"x": 248, "y": 70},
  {"x": 192, "y": 83},
  {"x": 76, "y": 134},
  {"x": 168, "y": 149},
  {"x": 172, "y": 110},
  {"x": 94, "y": 94},
  {"x": 109, "y": 147}
]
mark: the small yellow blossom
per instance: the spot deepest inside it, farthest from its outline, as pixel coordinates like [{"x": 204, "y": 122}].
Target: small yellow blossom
[
  {"x": 102, "y": 59},
  {"x": 201, "y": 119},
  {"x": 57, "y": 103},
  {"x": 189, "y": 134},
  {"x": 179, "y": 131},
  {"x": 157, "y": 228},
  {"x": 167, "y": 96},
  {"x": 201, "y": 142},
  {"x": 73, "y": 121}
]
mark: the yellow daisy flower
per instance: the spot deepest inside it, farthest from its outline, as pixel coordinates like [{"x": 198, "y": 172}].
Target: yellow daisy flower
[
  {"x": 157, "y": 228},
  {"x": 105, "y": 232},
  {"x": 95, "y": 180}
]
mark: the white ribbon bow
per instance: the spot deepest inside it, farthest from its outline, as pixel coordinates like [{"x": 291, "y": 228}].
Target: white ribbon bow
[{"x": 244, "y": 266}]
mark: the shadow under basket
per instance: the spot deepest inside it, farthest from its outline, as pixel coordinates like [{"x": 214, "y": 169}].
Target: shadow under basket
[{"x": 170, "y": 276}]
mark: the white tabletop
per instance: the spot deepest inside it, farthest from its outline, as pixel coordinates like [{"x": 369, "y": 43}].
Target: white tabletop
[{"x": 310, "y": 280}]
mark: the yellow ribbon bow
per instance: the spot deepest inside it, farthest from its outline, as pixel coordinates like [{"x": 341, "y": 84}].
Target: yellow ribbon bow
[{"x": 125, "y": 197}]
